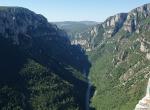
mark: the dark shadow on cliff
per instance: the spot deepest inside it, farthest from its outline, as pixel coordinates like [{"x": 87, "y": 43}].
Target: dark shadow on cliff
[
  {"x": 61, "y": 62},
  {"x": 56, "y": 53},
  {"x": 63, "y": 65},
  {"x": 14, "y": 57},
  {"x": 93, "y": 88},
  {"x": 12, "y": 85}
]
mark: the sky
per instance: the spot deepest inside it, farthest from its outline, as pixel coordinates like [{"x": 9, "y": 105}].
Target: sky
[{"x": 76, "y": 10}]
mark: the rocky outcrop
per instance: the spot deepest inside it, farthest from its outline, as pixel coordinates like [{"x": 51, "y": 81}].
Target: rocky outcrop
[
  {"x": 135, "y": 17},
  {"x": 148, "y": 56},
  {"x": 80, "y": 32},
  {"x": 94, "y": 31},
  {"x": 113, "y": 24},
  {"x": 145, "y": 47},
  {"x": 11, "y": 21},
  {"x": 123, "y": 22},
  {"x": 144, "y": 104},
  {"x": 130, "y": 22},
  {"x": 15, "y": 21}
]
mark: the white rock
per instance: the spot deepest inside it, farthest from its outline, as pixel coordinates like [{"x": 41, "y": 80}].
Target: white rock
[
  {"x": 148, "y": 56},
  {"x": 144, "y": 104},
  {"x": 143, "y": 47}
]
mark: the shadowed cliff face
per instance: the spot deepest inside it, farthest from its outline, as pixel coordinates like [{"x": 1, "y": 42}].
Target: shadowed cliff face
[
  {"x": 27, "y": 29},
  {"x": 36, "y": 54}
]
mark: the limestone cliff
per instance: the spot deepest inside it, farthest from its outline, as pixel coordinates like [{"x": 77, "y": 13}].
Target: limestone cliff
[{"x": 123, "y": 22}]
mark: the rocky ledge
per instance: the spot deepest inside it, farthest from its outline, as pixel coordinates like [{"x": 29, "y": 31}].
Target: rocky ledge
[{"x": 144, "y": 104}]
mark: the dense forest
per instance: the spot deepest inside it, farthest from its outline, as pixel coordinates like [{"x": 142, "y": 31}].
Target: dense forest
[
  {"x": 39, "y": 68},
  {"x": 43, "y": 67}
]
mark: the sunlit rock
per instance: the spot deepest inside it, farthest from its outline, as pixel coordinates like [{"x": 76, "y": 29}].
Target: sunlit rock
[
  {"x": 143, "y": 47},
  {"x": 144, "y": 104},
  {"x": 148, "y": 56}
]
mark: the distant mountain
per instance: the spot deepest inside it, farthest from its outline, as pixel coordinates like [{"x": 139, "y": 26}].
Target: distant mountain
[
  {"x": 39, "y": 68},
  {"x": 74, "y": 24},
  {"x": 75, "y": 31},
  {"x": 73, "y": 28}
]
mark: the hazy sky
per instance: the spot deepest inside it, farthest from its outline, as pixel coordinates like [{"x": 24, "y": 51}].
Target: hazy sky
[{"x": 76, "y": 10}]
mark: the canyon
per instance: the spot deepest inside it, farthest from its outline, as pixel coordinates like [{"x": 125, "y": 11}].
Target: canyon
[{"x": 74, "y": 65}]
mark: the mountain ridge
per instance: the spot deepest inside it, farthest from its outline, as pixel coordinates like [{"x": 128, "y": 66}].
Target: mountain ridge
[
  {"x": 118, "y": 49},
  {"x": 39, "y": 67},
  {"x": 110, "y": 26},
  {"x": 120, "y": 62}
]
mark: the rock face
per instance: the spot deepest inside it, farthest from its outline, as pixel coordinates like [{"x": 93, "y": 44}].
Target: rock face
[
  {"x": 148, "y": 56},
  {"x": 113, "y": 24},
  {"x": 125, "y": 22},
  {"x": 145, "y": 48},
  {"x": 120, "y": 60},
  {"x": 11, "y": 22},
  {"x": 134, "y": 17},
  {"x": 77, "y": 32},
  {"x": 144, "y": 104},
  {"x": 36, "y": 59}
]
